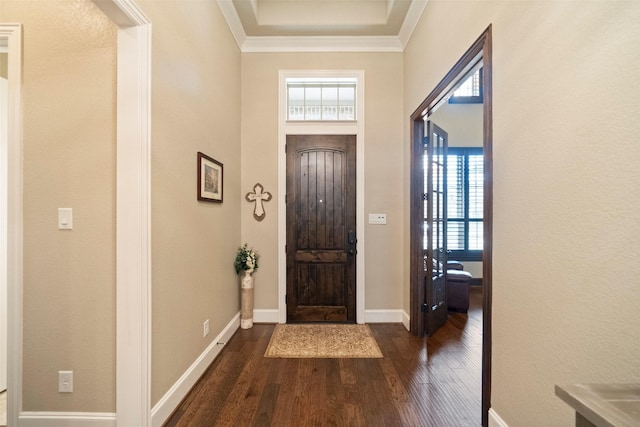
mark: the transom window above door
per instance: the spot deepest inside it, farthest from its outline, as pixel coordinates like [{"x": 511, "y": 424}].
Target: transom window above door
[
  {"x": 321, "y": 99},
  {"x": 470, "y": 91}
]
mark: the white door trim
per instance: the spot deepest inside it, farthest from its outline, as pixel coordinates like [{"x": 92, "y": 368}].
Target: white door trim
[
  {"x": 133, "y": 213},
  {"x": 319, "y": 128},
  {"x": 4, "y": 224},
  {"x": 11, "y": 39}
]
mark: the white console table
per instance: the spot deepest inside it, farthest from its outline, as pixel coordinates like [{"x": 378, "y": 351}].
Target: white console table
[{"x": 603, "y": 405}]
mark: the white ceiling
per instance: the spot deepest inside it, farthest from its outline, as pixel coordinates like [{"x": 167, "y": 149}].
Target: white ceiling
[{"x": 321, "y": 25}]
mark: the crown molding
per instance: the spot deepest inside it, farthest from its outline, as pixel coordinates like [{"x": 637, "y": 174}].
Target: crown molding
[
  {"x": 411, "y": 21},
  {"x": 321, "y": 43},
  {"x": 233, "y": 21},
  {"x": 123, "y": 13}
]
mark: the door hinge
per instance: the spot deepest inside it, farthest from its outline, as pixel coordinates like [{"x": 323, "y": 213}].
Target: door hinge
[
  {"x": 425, "y": 196},
  {"x": 286, "y": 299},
  {"x": 285, "y": 249},
  {"x": 285, "y": 148},
  {"x": 424, "y": 308},
  {"x": 425, "y": 141},
  {"x": 285, "y": 199}
]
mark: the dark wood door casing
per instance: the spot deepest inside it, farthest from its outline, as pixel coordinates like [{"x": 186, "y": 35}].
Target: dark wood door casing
[
  {"x": 481, "y": 49},
  {"x": 321, "y": 224}
]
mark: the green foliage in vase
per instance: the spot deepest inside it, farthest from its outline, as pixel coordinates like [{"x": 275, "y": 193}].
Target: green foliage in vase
[{"x": 246, "y": 259}]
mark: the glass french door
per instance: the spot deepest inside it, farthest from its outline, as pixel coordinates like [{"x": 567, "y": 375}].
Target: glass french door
[{"x": 435, "y": 227}]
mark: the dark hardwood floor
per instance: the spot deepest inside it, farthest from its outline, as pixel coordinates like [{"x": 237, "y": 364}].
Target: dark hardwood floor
[{"x": 419, "y": 382}]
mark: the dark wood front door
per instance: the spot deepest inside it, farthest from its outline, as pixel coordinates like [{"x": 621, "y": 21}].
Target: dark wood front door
[{"x": 321, "y": 224}]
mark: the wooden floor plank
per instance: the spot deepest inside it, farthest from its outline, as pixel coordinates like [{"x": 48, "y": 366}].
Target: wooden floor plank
[{"x": 430, "y": 382}]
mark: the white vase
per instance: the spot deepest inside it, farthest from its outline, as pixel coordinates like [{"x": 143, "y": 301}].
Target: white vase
[{"x": 246, "y": 314}]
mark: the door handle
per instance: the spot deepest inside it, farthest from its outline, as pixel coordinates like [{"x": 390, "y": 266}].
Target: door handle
[{"x": 351, "y": 239}]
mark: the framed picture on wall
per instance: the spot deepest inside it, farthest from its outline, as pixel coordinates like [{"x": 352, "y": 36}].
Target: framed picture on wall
[{"x": 210, "y": 179}]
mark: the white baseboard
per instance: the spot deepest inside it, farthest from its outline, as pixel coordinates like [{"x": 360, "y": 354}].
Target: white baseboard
[
  {"x": 383, "y": 316},
  {"x": 406, "y": 320},
  {"x": 266, "y": 316},
  {"x": 371, "y": 316},
  {"x": 170, "y": 401},
  {"x": 160, "y": 412},
  {"x": 495, "y": 420},
  {"x": 67, "y": 419}
]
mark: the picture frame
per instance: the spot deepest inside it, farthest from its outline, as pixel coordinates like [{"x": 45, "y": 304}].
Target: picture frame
[{"x": 210, "y": 179}]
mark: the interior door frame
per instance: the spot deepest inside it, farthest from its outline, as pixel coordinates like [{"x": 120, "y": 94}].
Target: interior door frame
[
  {"x": 480, "y": 50},
  {"x": 319, "y": 128},
  {"x": 11, "y": 38},
  {"x": 4, "y": 223},
  {"x": 133, "y": 212}
]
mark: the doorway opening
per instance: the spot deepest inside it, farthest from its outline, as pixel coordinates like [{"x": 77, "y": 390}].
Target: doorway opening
[
  {"x": 478, "y": 55},
  {"x": 319, "y": 127}
]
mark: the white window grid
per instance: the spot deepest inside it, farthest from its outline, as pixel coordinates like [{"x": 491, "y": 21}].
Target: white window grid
[{"x": 321, "y": 101}]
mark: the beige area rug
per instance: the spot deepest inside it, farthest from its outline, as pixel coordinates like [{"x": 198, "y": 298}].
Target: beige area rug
[{"x": 322, "y": 341}]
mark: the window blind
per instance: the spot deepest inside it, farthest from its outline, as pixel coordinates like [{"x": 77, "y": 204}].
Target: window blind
[{"x": 465, "y": 201}]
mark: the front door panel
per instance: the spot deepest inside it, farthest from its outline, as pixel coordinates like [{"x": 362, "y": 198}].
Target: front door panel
[{"x": 321, "y": 264}]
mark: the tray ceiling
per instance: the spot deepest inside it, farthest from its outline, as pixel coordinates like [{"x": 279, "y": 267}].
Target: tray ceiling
[{"x": 322, "y": 25}]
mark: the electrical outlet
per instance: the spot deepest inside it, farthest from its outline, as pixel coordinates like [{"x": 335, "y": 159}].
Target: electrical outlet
[
  {"x": 205, "y": 328},
  {"x": 65, "y": 381}
]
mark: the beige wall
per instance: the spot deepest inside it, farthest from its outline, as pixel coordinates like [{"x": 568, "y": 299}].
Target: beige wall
[
  {"x": 69, "y": 98},
  {"x": 69, "y": 161},
  {"x": 383, "y": 165},
  {"x": 565, "y": 174},
  {"x": 196, "y": 107},
  {"x": 463, "y": 123}
]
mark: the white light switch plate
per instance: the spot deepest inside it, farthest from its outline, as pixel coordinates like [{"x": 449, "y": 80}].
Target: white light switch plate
[
  {"x": 65, "y": 219},
  {"x": 380, "y": 219}
]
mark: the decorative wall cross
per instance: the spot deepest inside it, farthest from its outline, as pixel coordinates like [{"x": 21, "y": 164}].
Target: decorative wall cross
[{"x": 258, "y": 196}]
